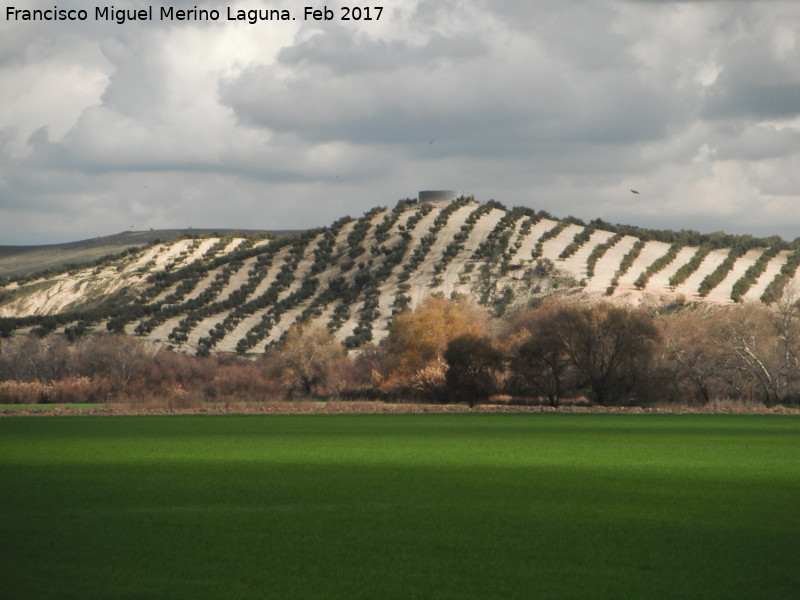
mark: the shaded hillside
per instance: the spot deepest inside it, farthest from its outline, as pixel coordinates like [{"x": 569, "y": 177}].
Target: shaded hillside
[{"x": 240, "y": 294}]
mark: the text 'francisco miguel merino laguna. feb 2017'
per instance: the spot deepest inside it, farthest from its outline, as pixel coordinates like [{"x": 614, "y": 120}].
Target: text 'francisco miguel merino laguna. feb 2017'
[{"x": 170, "y": 13}]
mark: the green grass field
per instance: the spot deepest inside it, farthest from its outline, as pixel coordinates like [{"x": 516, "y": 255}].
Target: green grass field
[{"x": 404, "y": 506}]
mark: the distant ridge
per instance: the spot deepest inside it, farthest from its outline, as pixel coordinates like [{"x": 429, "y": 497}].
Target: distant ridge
[{"x": 24, "y": 260}]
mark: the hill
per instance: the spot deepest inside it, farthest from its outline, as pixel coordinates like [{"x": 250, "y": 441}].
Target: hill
[
  {"x": 237, "y": 292},
  {"x": 25, "y": 260}
]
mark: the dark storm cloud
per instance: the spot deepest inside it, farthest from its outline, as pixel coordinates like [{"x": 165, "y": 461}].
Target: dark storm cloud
[{"x": 755, "y": 101}]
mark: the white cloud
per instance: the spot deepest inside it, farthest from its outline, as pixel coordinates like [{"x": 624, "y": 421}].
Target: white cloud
[{"x": 562, "y": 106}]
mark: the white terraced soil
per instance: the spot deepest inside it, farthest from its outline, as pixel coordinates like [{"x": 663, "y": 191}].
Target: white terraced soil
[
  {"x": 424, "y": 274},
  {"x": 179, "y": 261},
  {"x": 659, "y": 282},
  {"x": 483, "y": 227},
  {"x": 606, "y": 268},
  {"x": 389, "y": 287},
  {"x": 576, "y": 264},
  {"x": 722, "y": 293},
  {"x": 172, "y": 254},
  {"x": 529, "y": 241},
  {"x": 287, "y": 319},
  {"x": 161, "y": 332},
  {"x": 515, "y": 236},
  {"x": 203, "y": 284},
  {"x": 228, "y": 343},
  {"x": 150, "y": 254},
  {"x": 772, "y": 270},
  {"x": 202, "y": 249},
  {"x": 451, "y": 276},
  {"x": 272, "y": 272},
  {"x": 419, "y": 231},
  {"x": 650, "y": 253},
  {"x": 233, "y": 245},
  {"x": 237, "y": 279},
  {"x": 710, "y": 262},
  {"x": 552, "y": 248},
  {"x": 792, "y": 289},
  {"x": 70, "y": 290},
  {"x": 203, "y": 328}
]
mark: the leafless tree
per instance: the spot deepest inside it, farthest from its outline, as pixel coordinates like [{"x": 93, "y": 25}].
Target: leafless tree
[{"x": 312, "y": 361}]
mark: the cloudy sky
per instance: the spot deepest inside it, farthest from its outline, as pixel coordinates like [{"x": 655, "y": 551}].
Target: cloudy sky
[{"x": 560, "y": 105}]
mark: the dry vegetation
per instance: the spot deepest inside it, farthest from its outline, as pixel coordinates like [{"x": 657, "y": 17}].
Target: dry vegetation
[
  {"x": 436, "y": 302},
  {"x": 444, "y": 353}
]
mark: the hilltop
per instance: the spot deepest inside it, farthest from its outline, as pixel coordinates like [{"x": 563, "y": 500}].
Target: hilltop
[{"x": 215, "y": 291}]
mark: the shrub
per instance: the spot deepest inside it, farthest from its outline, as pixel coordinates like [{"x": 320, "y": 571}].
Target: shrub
[{"x": 472, "y": 365}]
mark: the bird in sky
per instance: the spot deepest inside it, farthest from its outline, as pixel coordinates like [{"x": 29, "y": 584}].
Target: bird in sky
[{"x": 634, "y": 191}]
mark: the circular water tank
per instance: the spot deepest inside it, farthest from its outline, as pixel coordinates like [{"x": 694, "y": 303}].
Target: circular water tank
[{"x": 437, "y": 196}]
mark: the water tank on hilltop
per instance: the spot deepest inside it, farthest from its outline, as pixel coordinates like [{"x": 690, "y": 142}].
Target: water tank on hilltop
[{"x": 437, "y": 195}]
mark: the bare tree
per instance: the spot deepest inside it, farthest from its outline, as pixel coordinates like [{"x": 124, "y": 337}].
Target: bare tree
[
  {"x": 311, "y": 360},
  {"x": 31, "y": 358},
  {"x": 691, "y": 353},
  {"x": 788, "y": 333},
  {"x": 745, "y": 337},
  {"x": 116, "y": 356}
]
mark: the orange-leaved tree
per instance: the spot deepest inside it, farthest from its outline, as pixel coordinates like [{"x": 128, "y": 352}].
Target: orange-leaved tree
[{"x": 417, "y": 340}]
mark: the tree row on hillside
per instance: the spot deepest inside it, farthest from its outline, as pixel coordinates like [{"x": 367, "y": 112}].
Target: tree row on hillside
[
  {"x": 754, "y": 271},
  {"x": 624, "y": 265},
  {"x": 548, "y": 235},
  {"x": 690, "y": 266},
  {"x": 657, "y": 265},
  {"x": 599, "y": 251},
  {"x": 776, "y": 287},
  {"x": 577, "y": 242},
  {"x": 714, "y": 278}
]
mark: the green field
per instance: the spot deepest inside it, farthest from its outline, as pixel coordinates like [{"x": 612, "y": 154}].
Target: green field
[{"x": 403, "y": 506}]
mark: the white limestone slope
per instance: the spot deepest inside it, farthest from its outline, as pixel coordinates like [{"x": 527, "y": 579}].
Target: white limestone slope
[
  {"x": 460, "y": 275},
  {"x": 772, "y": 270},
  {"x": 606, "y": 268},
  {"x": 659, "y": 282},
  {"x": 576, "y": 264},
  {"x": 650, "y": 253},
  {"x": 722, "y": 293},
  {"x": 692, "y": 283}
]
